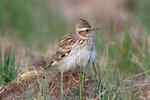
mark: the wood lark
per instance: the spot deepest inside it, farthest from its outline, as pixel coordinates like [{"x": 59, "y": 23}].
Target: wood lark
[{"x": 76, "y": 49}]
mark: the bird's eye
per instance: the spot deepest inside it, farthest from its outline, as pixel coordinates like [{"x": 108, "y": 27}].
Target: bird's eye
[{"x": 87, "y": 30}]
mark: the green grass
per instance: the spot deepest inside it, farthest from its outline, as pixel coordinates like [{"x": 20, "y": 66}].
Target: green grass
[
  {"x": 81, "y": 78},
  {"x": 8, "y": 68}
]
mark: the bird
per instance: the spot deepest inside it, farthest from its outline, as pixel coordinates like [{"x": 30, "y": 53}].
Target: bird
[{"x": 76, "y": 49}]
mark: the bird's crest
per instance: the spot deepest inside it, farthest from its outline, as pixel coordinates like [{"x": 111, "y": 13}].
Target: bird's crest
[{"x": 82, "y": 24}]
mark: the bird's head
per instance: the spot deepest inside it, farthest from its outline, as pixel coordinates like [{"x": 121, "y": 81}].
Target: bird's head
[{"x": 84, "y": 29}]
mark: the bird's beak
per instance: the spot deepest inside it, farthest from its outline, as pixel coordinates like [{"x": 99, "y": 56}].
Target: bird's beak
[{"x": 95, "y": 29}]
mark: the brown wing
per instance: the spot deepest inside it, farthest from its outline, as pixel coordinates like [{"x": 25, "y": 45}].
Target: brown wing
[{"x": 65, "y": 46}]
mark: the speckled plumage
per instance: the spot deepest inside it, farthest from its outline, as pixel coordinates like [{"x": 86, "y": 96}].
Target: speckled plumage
[{"x": 76, "y": 49}]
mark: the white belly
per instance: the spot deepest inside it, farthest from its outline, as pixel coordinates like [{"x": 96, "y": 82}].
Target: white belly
[{"x": 80, "y": 56}]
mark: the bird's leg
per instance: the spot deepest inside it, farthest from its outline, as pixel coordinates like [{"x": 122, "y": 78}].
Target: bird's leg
[
  {"x": 73, "y": 78},
  {"x": 81, "y": 72},
  {"x": 48, "y": 80}
]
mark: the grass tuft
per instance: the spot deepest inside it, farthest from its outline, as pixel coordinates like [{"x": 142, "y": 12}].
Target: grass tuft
[{"x": 8, "y": 68}]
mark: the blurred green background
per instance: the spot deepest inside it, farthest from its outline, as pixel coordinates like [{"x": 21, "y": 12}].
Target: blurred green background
[{"x": 30, "y": 21}]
